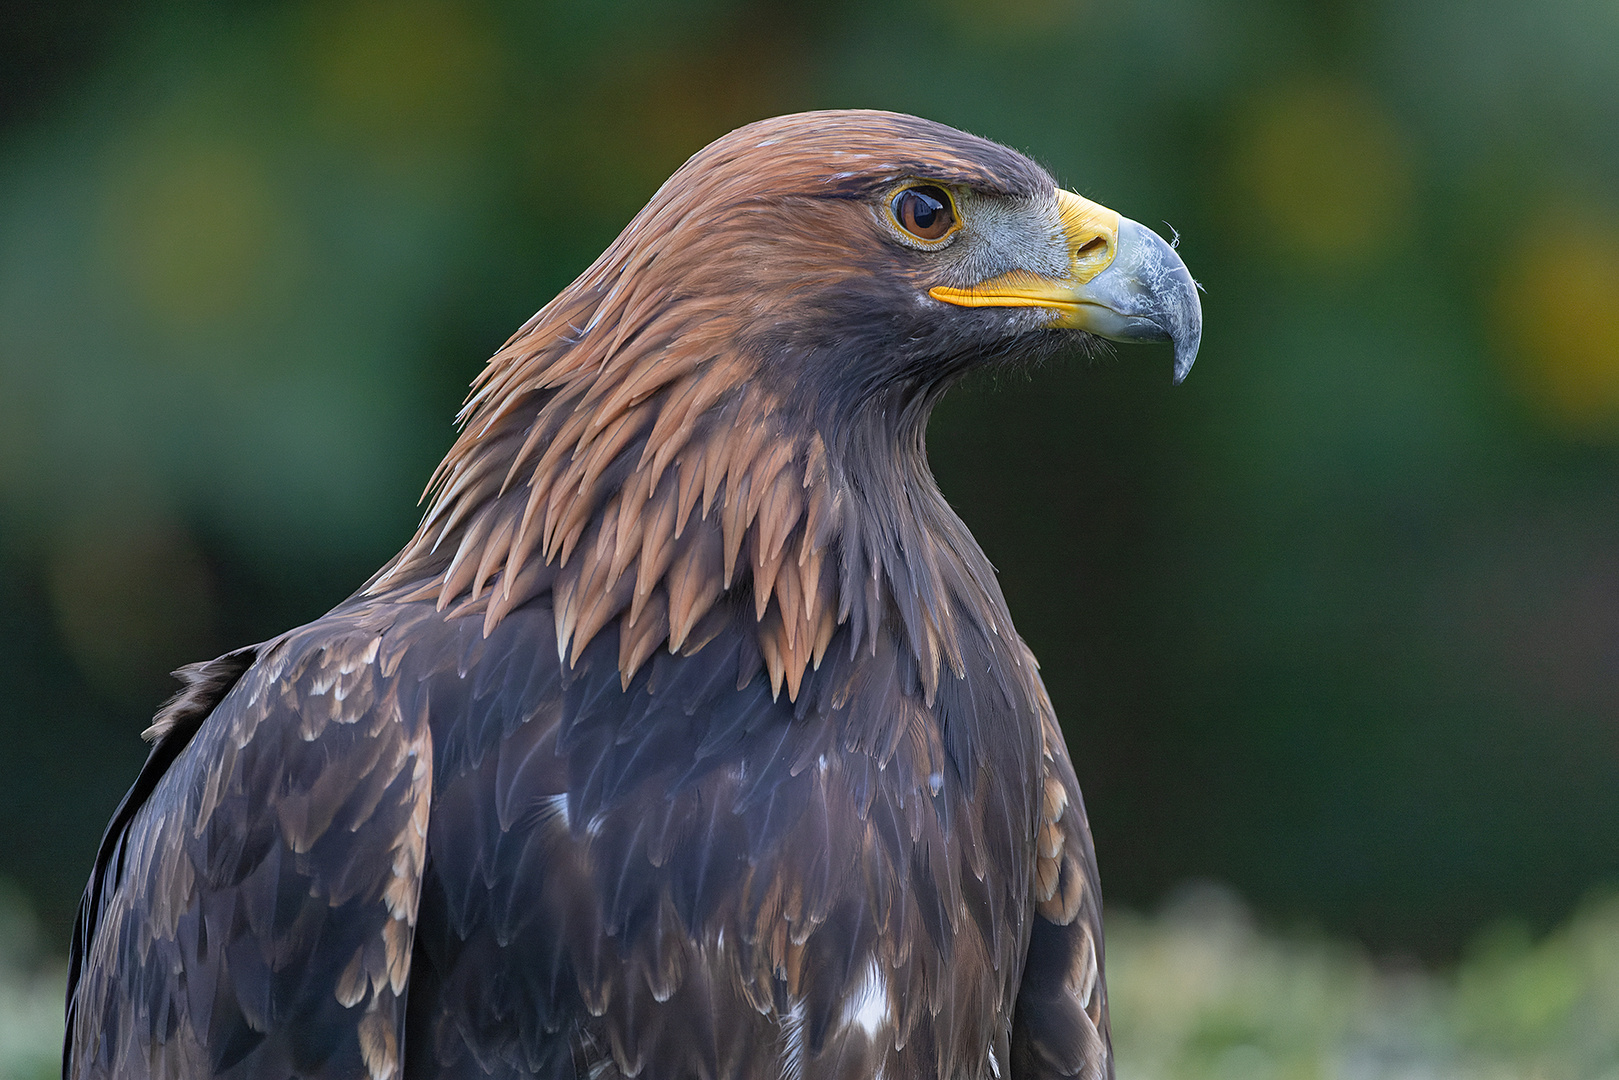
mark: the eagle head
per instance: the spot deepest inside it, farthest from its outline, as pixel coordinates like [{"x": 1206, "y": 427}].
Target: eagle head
[{"x": 859, "y": 253}]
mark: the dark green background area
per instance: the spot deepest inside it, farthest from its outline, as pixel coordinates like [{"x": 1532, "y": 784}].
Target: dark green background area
[{"x": 1336, "y": 621}]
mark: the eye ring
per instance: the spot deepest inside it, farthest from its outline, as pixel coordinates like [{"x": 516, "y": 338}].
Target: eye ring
[{"x": 924, "y": 212}]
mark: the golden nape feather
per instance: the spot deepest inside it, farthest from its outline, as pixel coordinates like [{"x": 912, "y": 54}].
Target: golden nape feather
[{"x": 533, "y": 802}]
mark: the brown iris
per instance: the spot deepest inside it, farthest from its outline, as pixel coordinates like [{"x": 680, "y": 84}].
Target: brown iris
[{"x": 925, "y": 212}]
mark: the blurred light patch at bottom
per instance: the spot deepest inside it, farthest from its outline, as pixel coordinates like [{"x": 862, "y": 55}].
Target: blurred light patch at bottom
[{"x": 1199, "y": 993}]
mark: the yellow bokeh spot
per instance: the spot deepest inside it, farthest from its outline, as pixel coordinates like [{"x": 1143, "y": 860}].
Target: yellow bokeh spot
[
  {"x": 397, "y": 72},
  {"x": 196, "y": 232},
  {"x": 1558, "y": 311},
  {"x": 1320, "y": 173}
]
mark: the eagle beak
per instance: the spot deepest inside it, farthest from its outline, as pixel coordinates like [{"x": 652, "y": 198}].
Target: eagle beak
[{"x": 1124, "y": 283}]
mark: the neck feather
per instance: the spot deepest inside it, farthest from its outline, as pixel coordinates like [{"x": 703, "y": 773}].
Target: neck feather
[{"x": 619, "y": 454}]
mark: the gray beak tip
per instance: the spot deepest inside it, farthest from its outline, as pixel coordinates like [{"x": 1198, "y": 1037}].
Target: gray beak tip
[
  {"x": 1186, "y": 344},
  {"x": 1182, "y": 314},
  {"x": 1147, "y": 294}
]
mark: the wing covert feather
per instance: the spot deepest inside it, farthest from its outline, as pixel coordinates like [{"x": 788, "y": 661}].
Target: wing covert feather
[
  {"x": 1060, "y": 1027},
  {"x": 255, "y": 914}
]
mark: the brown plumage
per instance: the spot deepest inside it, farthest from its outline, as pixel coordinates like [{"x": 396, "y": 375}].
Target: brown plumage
[{"x": 689, "y": 736}]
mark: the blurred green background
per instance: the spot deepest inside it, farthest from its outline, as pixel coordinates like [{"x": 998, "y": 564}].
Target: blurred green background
[{"x": 1336, "y": 622}]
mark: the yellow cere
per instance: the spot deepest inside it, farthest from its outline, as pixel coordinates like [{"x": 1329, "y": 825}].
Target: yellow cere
[{"x": 1093, "y": 241}]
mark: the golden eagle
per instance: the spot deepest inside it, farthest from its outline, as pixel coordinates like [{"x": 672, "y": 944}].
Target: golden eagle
[{"x": 689, "y": 736}]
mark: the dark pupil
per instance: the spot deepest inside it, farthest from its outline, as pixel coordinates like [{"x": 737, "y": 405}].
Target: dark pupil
[
  {"x": 924, "y": 212},
  {"x": 923, "y": 209}
]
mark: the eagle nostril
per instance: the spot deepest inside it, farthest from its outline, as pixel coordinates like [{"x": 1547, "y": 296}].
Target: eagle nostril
[{"x": 1096, "y": 245}]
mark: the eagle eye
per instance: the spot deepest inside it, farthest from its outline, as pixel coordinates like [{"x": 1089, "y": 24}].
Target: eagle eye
[{"x": 926, "y": 212}]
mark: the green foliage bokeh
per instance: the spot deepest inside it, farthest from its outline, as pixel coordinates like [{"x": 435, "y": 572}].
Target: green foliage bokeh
[{"x": 1337, "y": 621}]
